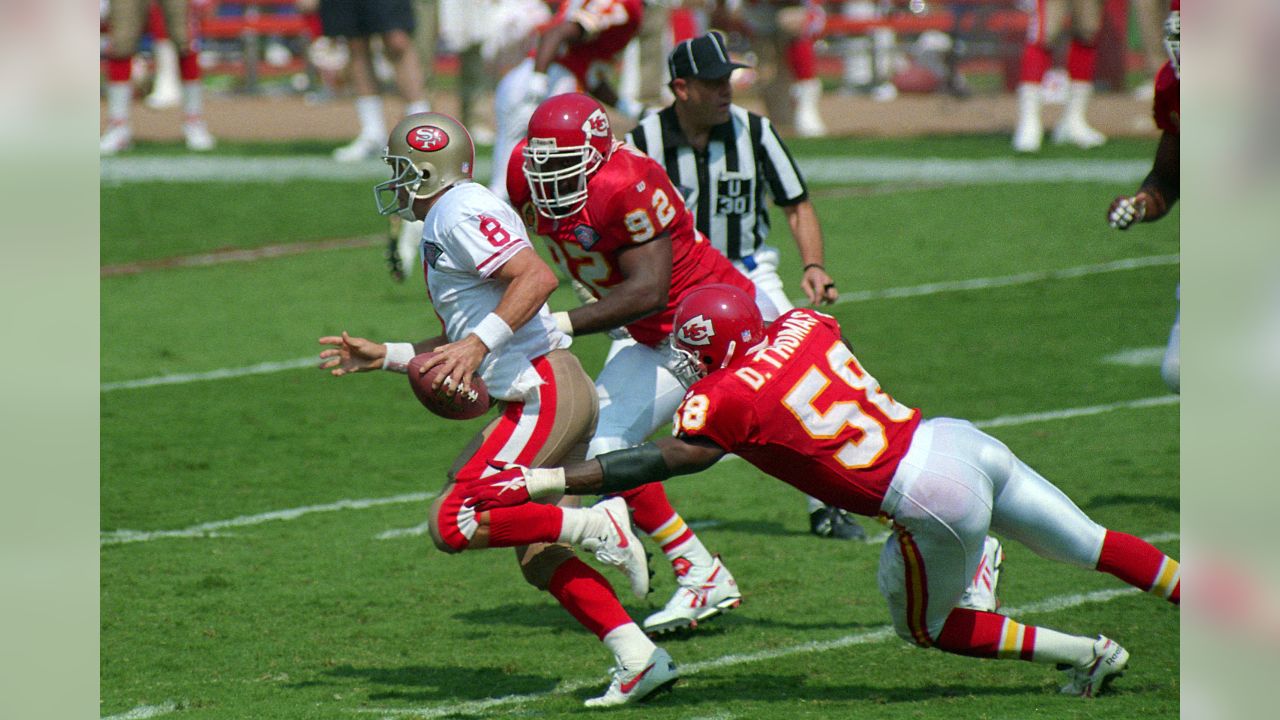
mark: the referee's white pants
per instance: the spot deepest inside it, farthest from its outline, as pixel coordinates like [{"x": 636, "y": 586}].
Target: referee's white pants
[
  {"x": 954, "y": 484},
  {"x": 762, "y": 271},
  {"x": 512, "y": 112},
  {"x": 638, "y": 393}
]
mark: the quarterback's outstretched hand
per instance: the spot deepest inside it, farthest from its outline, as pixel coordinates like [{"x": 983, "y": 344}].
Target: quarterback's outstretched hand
[
  {"x": 514, "y": 485},
  {"x": 350, "y": 354},
  {"x": 1126, "y": 211}
]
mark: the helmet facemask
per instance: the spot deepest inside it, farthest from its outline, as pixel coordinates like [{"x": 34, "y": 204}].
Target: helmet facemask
[
  {"x": 1173, "y": 41},
  {"x": 405, "y": 176},
  {"x": 557, "y": 176},
  {"x": 686, "y": 365}
]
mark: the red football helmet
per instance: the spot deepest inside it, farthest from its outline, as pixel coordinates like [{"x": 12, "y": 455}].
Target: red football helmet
[
  {"x": 1173, "y": 36},
  {"x": 569, "y": 138},
  {"x": 714, "y": 325}
]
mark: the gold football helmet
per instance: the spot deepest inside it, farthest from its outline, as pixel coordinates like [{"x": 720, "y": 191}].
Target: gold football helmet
[{"x": 427, "y": 152}]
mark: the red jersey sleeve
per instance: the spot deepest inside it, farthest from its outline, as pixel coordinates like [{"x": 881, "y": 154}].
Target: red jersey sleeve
[{"x": 712, "y": 410}]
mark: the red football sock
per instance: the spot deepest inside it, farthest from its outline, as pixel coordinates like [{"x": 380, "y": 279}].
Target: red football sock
[
  {"x": 1081, "y": 60},
  {"x": 588, "y": 597},
  {"x": 650, "y": 508},
  {"x": 1035, "y": 61},
  {"x": 119, "y": 69},
  {"x": 524, "y": 525},
  {"x": 802, "y": 59},
  {"x": 1140, "y": 564},
  {"x": 986, "y": 635},
  {"x": 189, "y": 66}
]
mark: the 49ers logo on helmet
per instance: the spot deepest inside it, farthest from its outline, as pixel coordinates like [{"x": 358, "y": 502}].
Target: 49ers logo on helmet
[
  {"x": 427, "y": 138},
  {"x": 596, "y": 124},
  {"x": 697, "y": 330}
]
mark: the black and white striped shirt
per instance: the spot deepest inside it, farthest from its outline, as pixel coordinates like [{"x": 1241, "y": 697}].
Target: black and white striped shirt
[{"x": 722, "y": 185}]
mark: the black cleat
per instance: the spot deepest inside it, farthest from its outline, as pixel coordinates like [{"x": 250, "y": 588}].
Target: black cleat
[{"x": 832, "y": 522}]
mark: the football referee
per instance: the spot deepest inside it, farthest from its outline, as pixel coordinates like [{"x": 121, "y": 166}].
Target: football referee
[{"x": 723, "y": 159}]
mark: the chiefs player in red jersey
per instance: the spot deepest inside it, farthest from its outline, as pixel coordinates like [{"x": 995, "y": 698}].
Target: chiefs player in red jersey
[
  {"x": 572, "y": 54},
  {"x": 791, "y": 399},
  {"x": 614, "y": 223},
  {"x": 1159, "y": 190}
]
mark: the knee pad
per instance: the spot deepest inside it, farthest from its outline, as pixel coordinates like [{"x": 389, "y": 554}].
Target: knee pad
[
  {"x": 539, "y": 562},
  {"x": 452, "y": 525}
]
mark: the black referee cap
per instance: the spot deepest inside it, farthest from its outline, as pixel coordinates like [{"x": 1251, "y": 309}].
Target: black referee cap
[{"x": 705, "y": 58}]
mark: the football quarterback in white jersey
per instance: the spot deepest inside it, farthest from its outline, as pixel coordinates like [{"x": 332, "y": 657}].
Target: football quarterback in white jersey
[{"x": 489, "y": 289}]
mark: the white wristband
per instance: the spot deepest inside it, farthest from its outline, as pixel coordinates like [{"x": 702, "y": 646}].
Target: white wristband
[
  {"x": 398, "y": 357},
  {"x": 493, "y": 331},
  {"x": 541, "y": 482},
  {"x": 563, "y": 322}
]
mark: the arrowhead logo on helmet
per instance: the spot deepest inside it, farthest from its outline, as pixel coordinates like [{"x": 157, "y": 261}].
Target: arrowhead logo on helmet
[
  {"x": 427, "y": 138},
  {"x": 697, "y": 330},
  {"x": 596, "y": 124}
]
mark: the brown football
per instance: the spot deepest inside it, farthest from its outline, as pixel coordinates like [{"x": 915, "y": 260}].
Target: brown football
[{"x": 457, "y": 407}]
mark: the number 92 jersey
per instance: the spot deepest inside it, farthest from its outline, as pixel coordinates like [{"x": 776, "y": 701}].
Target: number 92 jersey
[
  {"x": 802, "y": 409},
  {"x": 630, "y": 201}
]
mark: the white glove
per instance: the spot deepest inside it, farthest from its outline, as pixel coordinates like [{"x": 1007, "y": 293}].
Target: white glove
[{"x": 1126, "y": 211}]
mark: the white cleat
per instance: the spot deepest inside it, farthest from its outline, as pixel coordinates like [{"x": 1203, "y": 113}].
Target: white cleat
[
  {"x": 620, "y": 547},
  {"x": 981, "y": 593},
  {"x": 197, "y": 136},
  {"x": 656, "y": 676},
  {"x": 165, "y": 95},
  {"x": 702, "y": 594},
  {"x": 360, "y": 149},
  {"x": 1028, "y": 136},
  {"x": 1079, "y": 134},
  {"x": 116, "y": 139},
  {"x": 1108, "y": 663}
]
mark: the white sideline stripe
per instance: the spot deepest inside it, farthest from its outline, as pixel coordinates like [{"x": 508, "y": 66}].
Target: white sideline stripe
[
  {"x": 1006, "y": 420},
  {"x": 116, "y": 537},
  {"x": 145, "y": 711},
  {"x": 886, "y": 632},
  {"x": 1005, "y": 281},
  {"x": 209, "y": 529},
  {"x": 901, "y": 292},
  {"x": 222, "y": 374},
  {"x": 936, "y": 171},
  {"x": 1137, "y": 357}
]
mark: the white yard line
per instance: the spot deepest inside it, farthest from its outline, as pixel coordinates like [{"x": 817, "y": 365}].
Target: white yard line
[
  {"x": 887, "y": 293},
  {"x": 124, "y": 170},
  {"x": 145, "y": 711},
  {"x": 209, "y": 529},
  {"x": 1136, "y": 357}
]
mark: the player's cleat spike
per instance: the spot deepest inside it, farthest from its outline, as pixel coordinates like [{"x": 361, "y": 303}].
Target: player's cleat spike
[
  {"x": 1107, "y": 664},
  {"x": 832, "y": 522},
  {"x": 981, "y": 593},
  {"x": 620, "y": 547},
  {"x": 642, "y": 684},
  {"x": 703, "y": 593}
]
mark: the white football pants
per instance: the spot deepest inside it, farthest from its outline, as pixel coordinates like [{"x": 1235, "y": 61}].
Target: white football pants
[
  {"x": 956, "y": 483},
  {"x": 638, "y": 393}
]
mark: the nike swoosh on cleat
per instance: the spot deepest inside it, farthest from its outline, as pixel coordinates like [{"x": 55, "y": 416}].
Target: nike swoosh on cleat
[
  {"x": 630, "y": 685},
  {"x": 625, "y": 542}
]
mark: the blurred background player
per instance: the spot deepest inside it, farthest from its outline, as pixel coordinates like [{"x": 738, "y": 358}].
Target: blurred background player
[
  {"x": 125, "y": 21},
  {"x": 573, "y": 53},
  {"x": 358, "y": 22},
  {"x": 1159, "y": 190},
  {"x": 614, "y": 223},
  {"x": 1047, "y": 19},
  {"x": 942, "y": 482},
  {"x": 489, "y": 288},
  {"x": 727, "y": 194}
]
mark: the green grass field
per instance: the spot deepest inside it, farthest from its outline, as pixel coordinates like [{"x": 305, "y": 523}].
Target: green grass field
[{"x": 276, "y": 568}]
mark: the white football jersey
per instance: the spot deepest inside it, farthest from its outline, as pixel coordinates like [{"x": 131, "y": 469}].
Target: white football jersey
[{"x": 466, "y": 237}]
